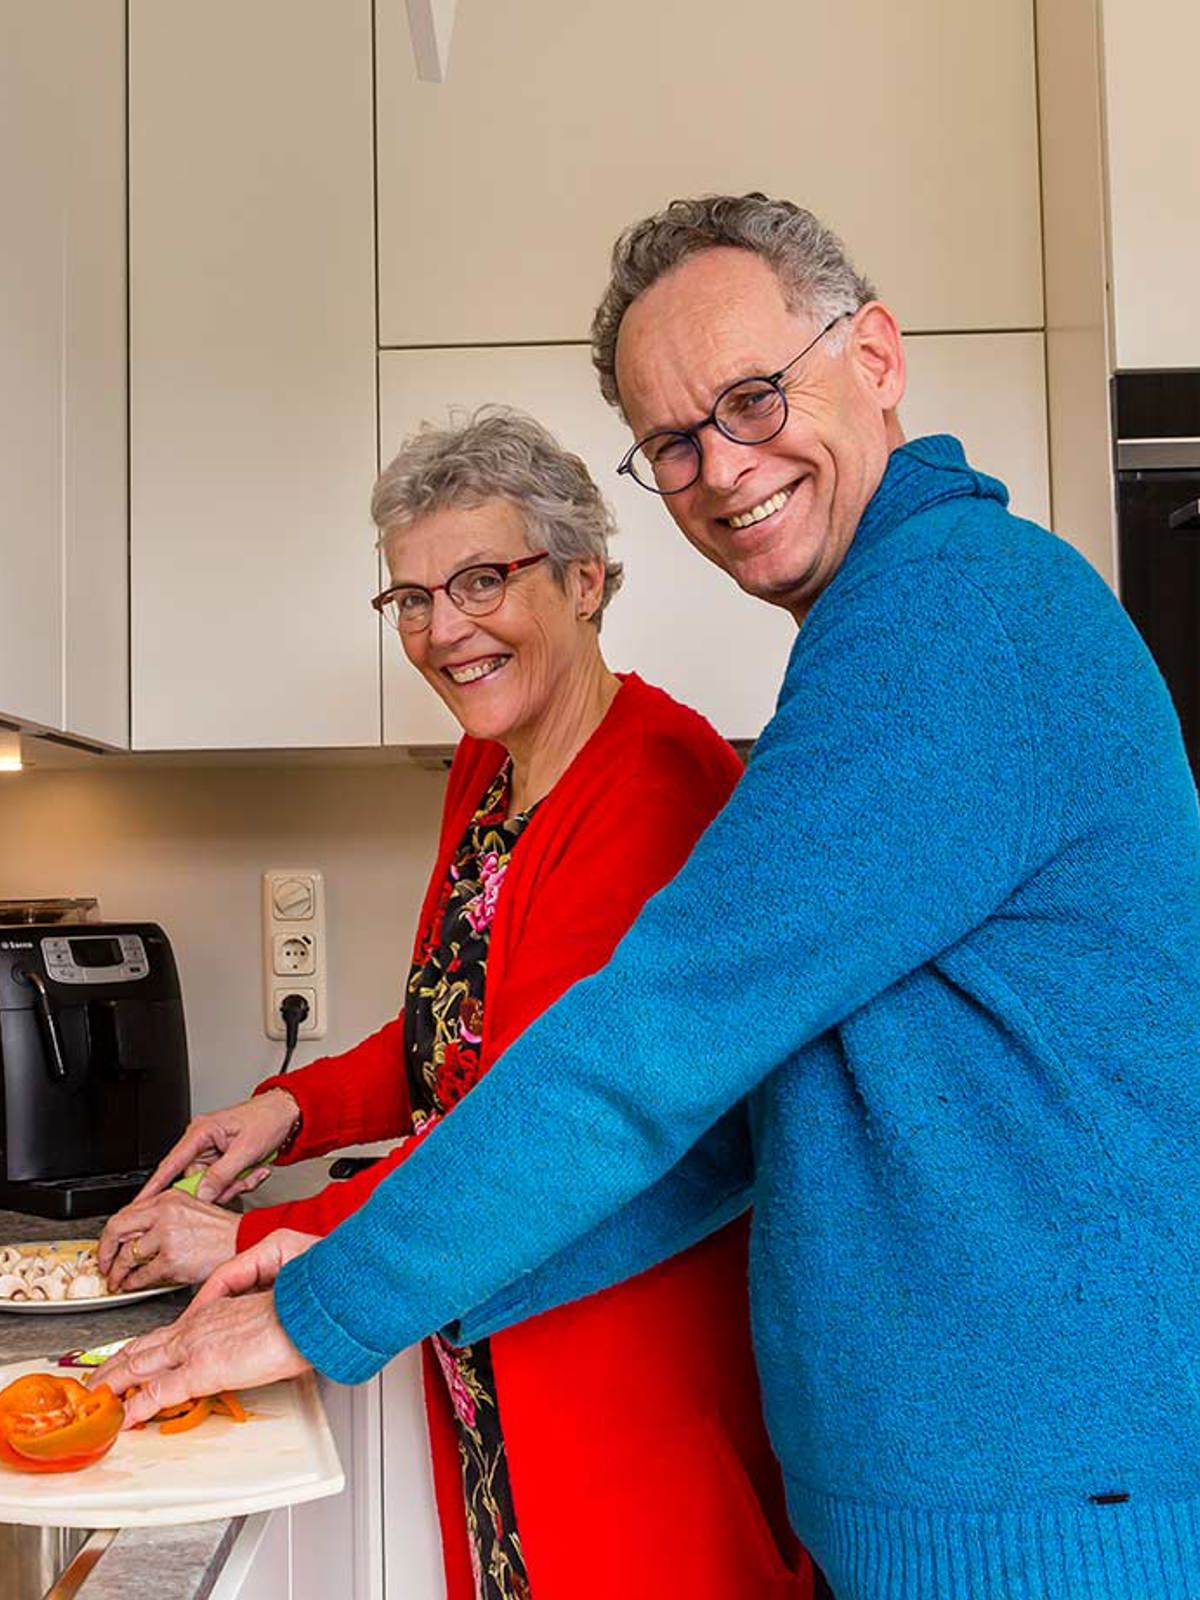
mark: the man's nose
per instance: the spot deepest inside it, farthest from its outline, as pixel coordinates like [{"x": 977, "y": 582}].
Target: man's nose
[{"x": 723, "y": 461}]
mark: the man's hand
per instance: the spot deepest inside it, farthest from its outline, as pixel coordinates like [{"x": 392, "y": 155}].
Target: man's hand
[
  {"x": 255, "y": 1268},
  {"x": 170, "y": 1238},
  {"x": 234, "y": 1343},
  {"x": 229, "y": 1143}
]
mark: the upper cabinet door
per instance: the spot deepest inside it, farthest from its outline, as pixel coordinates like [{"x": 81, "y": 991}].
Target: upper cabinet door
[
  {"x": 1151, "y": 51},
  {"x": 63, "y": 526},
  {"x": 31, "y": 441},
  {"x": 989, "y": 389},
  {"x": 252, "y": 374},
  {"x": 96, "y": 466},
  {"x": 911, "y": 129}
]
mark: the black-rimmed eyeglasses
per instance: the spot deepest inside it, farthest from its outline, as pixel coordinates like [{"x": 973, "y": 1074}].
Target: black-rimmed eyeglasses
[
  {"x": 476, "y": 590},
  {"x": 748, "y": 411}
]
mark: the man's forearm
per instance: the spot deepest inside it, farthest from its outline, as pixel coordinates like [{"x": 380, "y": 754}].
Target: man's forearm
[{"x": 707, "y": 1189}]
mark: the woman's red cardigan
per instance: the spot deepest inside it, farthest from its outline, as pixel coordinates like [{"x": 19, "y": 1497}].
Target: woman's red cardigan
[{"x": 639, "y": 1461}]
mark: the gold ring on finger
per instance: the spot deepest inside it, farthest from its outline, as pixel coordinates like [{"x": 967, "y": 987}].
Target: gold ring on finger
[{"x": 135, "y": 1254}]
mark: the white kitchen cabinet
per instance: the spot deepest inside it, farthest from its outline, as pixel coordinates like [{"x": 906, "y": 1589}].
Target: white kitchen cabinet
[
  {"x": 1073, "y": 222},
  {"x": 679, "y": 621},
  {"x": 336, "y": 1544},
  {"x": 1151, "y": 50},
  {"x": 63, "y": 583},
  {"x": 910, "y": 129},
  {"x": 258, "y": 1565},
  {"x": 989, "y": 389},
  {"x": 412, "y": 1548},
  {"x": 328, "y": 1547},
  {"x": 252, "y": 377}
]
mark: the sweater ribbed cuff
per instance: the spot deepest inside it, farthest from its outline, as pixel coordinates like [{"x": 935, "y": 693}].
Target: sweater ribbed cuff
[
  {"x": 312, "y": 1328},
  {"x": 1135, "y": 1550}
]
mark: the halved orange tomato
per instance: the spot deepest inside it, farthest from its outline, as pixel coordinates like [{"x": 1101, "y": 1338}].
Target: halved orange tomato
[{"x": 53, "y": 1424}]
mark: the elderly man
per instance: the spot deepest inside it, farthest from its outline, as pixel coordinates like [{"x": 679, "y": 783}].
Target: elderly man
[{"x": 945, "y": 937}]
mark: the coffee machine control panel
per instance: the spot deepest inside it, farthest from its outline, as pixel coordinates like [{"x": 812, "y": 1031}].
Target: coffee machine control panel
[{"x": 99, "y": 958}]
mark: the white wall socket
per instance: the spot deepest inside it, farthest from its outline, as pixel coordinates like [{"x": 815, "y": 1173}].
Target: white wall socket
[{"x": 293, "y": 943}]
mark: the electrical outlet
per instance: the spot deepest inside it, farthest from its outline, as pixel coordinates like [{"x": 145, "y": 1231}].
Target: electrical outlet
[
  {"x": 293, "y": 943},
  {"x": 294, "y": 952}
]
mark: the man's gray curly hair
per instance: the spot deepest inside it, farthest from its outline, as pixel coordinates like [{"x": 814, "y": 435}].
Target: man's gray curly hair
[
  {"x": 810, "y": 262},
  {"x": 501, "y": 453}
]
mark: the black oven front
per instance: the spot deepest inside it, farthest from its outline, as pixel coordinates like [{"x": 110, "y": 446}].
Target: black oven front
[{"x": 1157, "y": 427}]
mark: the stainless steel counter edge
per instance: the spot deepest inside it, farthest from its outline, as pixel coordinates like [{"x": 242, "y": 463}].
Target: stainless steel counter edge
[{"x": 172, "y": 1563}]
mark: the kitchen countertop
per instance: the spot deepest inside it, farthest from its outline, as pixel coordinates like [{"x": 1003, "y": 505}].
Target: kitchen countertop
[{"x": 172, "y": 1563}]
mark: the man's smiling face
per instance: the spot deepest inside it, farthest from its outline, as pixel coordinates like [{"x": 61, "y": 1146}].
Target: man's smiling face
[{"x": 779, "y": 516}]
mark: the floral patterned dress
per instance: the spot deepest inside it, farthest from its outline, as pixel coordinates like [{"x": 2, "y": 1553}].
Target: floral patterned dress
[{"x": 443, "y": 1031}]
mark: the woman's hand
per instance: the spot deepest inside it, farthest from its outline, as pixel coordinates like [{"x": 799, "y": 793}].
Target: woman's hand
[
  {"x": 170, "y": 1238},
  {"x": 255, "y": 1268},
  {"x": 231, "y": 1144},
  {"x": 234, "y": 1343}
]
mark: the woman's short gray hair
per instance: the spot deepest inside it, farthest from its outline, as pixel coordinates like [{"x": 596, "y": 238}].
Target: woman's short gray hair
[
  {"x": 810, "y": 262},
  {"x": 498, "y": 453}
]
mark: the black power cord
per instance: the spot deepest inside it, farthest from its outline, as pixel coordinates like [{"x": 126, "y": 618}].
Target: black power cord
[{"x": 293, "y": 1008}]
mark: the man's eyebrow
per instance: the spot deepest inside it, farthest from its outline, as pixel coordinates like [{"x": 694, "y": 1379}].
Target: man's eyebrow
[{"x": 748, "y": 370}]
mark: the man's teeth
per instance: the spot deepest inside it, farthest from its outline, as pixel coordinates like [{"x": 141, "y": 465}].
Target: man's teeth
[
  {"x": 747, "y": 519},
  {"x": 476, "y": 669}
]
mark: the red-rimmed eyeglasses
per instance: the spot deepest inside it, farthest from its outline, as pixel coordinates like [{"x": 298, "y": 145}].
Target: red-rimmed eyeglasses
[{"x": 476, "y": 590}]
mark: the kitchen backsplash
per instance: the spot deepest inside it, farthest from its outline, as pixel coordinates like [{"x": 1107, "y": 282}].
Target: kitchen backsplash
[{"x": 186, "y": 847}]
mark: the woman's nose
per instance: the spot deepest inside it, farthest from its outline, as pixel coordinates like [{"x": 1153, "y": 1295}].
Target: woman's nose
[{"x": 447, "y": 624}]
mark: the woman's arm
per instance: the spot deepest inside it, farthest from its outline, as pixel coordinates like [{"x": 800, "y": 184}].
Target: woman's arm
[
  {"x": 352, "y": 1098},
  {"x": 319, "y": 1213}
]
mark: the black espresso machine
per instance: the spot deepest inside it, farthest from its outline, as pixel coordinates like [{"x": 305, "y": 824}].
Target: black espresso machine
[{"x": 93, "y": 1064}]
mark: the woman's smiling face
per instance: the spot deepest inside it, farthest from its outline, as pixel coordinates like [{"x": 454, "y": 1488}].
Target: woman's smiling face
[{"x": 501, "y": 674}]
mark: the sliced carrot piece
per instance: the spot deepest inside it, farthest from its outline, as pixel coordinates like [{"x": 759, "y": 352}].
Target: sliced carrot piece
[
  {"x": 190, "y": 1419},
  {"x": 179, "y": 1410},
  {"x": 229, "y": 1403}
]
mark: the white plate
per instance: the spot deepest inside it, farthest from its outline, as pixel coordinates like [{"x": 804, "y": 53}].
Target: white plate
[
  {"x": 96, "y": 1302},
  {"x": 99, "y": 1302}
]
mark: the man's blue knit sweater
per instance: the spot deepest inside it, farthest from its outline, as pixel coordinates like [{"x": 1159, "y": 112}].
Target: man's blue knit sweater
[{"x": 946, "y": 934}]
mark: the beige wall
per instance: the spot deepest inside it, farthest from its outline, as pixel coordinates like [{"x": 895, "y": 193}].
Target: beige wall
[{"x": 186, "y": 848}]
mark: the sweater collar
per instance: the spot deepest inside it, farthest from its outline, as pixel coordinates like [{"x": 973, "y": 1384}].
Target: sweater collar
[{"x": 920, "y": 474}]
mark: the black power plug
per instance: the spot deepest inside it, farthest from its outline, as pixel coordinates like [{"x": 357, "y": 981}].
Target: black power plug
[{"x": 293, "y": 1008}]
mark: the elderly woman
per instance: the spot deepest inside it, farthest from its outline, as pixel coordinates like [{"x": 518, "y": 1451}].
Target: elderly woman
[{"x": 613, "y": 1446}]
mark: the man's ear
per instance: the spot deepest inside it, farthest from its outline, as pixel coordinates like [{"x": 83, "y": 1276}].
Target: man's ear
[{"x": 878, "y": 353}]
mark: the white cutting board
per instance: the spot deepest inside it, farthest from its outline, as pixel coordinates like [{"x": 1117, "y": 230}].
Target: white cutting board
[{"x": 221, "y": 1468}]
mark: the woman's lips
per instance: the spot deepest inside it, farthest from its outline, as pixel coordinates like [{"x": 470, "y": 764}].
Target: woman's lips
[{"x": 468, "y": 672}]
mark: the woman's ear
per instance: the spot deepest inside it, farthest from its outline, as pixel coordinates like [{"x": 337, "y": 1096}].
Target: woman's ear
[{"x": 588, "y": 587}]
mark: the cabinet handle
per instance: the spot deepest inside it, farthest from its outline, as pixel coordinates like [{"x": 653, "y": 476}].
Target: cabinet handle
[{"x": 1186, "y": 519}]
